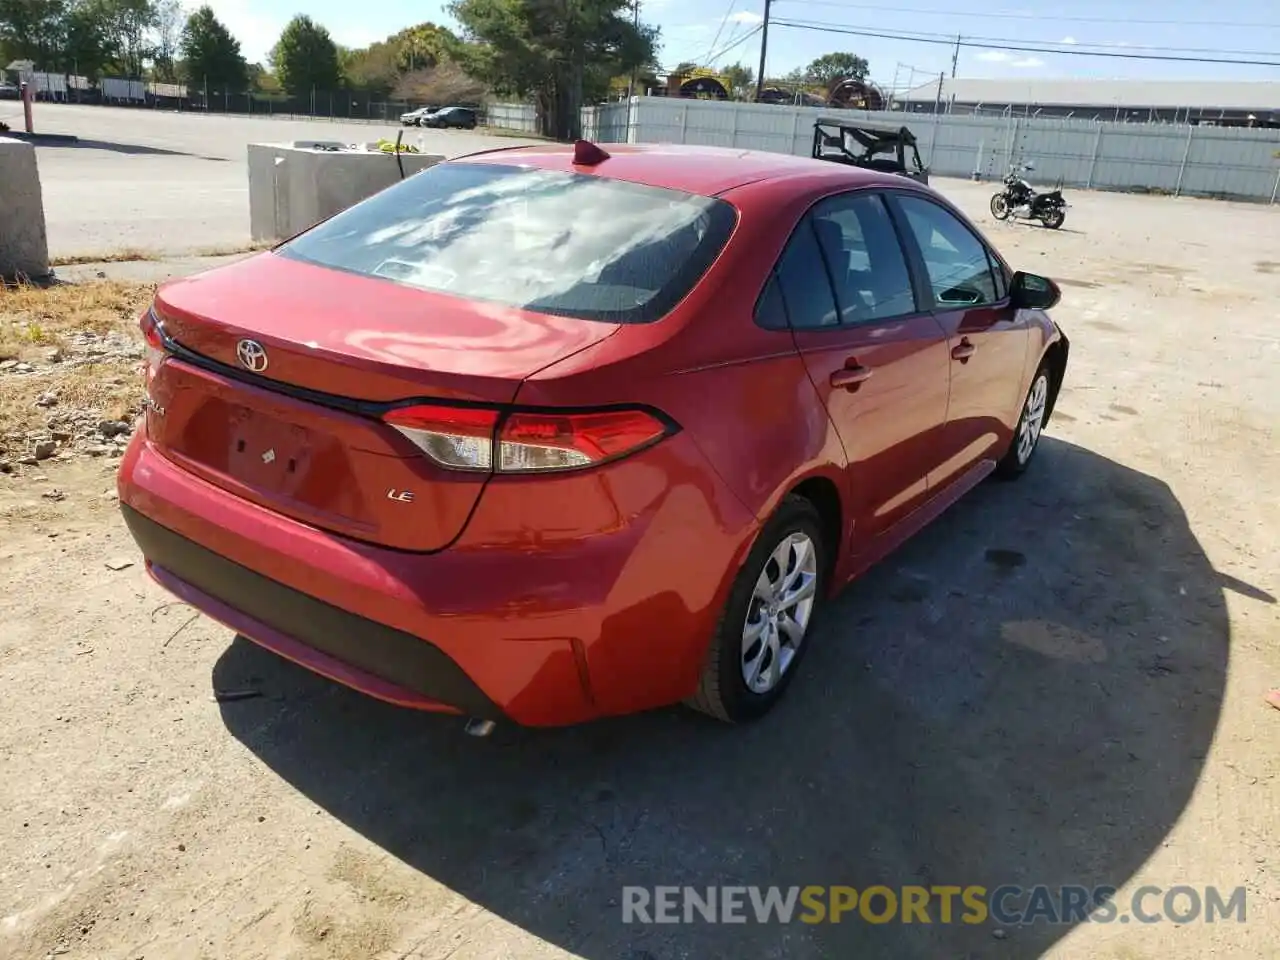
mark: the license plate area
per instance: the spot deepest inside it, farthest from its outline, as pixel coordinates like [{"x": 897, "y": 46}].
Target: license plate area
[{"x": 266, "y": 452}]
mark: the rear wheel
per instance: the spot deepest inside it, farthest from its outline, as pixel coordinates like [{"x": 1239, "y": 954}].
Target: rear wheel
[
  {"x": 1000, "y": 206},
  {"x": 1026, "y": 437},
  {"x": 1054, "y": 218},
  {"x": 761, "y": 636}
]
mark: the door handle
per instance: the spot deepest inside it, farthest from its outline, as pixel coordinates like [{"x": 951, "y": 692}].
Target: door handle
[
  {"x": 850, "y": 377},
  {"x": 963, "y": 350}
]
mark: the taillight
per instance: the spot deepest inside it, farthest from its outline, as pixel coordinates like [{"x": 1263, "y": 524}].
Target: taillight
[
  {"x": 153, "y": 333},
  {"x": 457, "y": 437},
  {"x": 549, "y": 441},
  {"x": 527, "y": 441}
]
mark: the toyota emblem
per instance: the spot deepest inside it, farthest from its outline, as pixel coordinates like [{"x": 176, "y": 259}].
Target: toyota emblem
[{"x": 252, "y": 355}]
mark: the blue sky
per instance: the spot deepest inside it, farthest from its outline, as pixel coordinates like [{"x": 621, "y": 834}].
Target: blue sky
[{"x": 693, "y": 28}]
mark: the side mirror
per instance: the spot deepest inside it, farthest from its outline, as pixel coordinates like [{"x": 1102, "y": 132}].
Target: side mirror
[
  {"x": 1031, "y": 292},
  {"x": 960, "y": 296}
]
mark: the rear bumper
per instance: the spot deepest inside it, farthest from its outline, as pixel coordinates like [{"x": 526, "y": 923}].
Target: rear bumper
[
  {"x": 597, "y": 596},
  {"x": 350, "y": 649}
]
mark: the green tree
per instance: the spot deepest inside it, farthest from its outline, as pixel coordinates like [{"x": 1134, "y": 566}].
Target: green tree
[
  {"x": 374, "y": 68},
  {"x": 305, "y": 58},
  {"x": 557, "y": 52},
  {"x": 32, "y": 30},
  {"x": 742, "y": 81},
  {"x": 836, "y": 66},
  {"x": 126, "y": 25},
  {"x": 87, "y": 50},
  {"x": 170, "y": 20},
  {"x": 378, "y": 67},
  {"x": 211, "y": 55}
]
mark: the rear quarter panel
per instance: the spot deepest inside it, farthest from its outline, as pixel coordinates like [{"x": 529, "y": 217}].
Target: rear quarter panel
[{"x": 741, "y": 391}]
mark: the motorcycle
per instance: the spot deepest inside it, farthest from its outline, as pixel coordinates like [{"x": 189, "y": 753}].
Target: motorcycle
[{"x": 1020, "y": 200}]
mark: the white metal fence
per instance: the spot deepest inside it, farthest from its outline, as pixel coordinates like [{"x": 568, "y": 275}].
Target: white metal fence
[
  {"x": 117, "y": 88},
  {"x": 1180, "y": 159},
  {"x": 512, "y": 116}
]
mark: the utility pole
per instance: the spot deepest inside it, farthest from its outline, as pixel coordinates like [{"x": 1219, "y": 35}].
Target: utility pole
[
  {"x": 955, "y": 57},
  {"x": 635, "y": 22},
  {"x": 764, "y": 47}
]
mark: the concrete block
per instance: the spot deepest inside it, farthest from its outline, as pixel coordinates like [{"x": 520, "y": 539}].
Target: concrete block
[
  {"x": 293, "y": 186},
  {"x": 24, "y": 243}
]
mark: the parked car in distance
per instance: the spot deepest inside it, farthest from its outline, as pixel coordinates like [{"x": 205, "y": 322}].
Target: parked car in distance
[
  {"x": 414, "y": 118},
  {"x": 551, "y": 433},
  {"x": 9, "y": 91},
  {"x": 461, "y": 117}
]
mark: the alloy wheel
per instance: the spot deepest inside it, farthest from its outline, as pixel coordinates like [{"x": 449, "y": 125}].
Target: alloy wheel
[
  {"x": 779, "y": 612},
  {"x": 1032, "y": 418}
]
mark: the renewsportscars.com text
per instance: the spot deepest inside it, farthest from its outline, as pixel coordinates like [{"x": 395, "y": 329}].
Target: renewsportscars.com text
[{"x": 1007, "y": 905}]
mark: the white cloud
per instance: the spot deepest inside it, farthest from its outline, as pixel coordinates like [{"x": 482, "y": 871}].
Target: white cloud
[
  {"x": 994, "y": 56},
  {"x": 746, "y": 16},
  {"x": 1027, "y": 63},
  {"x": 1068, "y": 40}
]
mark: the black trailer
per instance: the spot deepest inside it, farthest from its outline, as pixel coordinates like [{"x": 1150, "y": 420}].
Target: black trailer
[{"x": 870, "y": 144}]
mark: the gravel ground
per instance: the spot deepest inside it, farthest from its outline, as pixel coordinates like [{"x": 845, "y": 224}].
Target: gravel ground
[
  {"x": 1060, "y": 682},
  {"x": 176, "y": 182}
]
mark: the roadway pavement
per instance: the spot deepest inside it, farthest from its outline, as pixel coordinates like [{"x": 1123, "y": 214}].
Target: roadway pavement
[{"x": 175, "y": 183}]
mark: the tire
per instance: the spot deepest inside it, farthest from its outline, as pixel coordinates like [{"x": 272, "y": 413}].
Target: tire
[
  {"x": 1000, "y": 206},
  {"x": 1019, "y": 455},
  {"x": 724, "y": 691},
  {"x": 1054, "y": 218}
]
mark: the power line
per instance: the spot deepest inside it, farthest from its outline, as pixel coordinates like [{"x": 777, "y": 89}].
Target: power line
[
  {"x": 1056, "y": 46},
  {"x": 1029, "y": 16},
  {"x": 719, "y": 30},
  {"x": 1017, "y": 46},
  {"x": 719, "y": 53},
  {"x": 741, "y": 40}
]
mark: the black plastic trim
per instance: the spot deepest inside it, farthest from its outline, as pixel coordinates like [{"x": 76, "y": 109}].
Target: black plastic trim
[{"x": 393, "y": 655}]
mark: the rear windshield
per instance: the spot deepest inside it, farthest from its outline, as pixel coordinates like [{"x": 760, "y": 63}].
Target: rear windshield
[{"x": 569, "y": 244}]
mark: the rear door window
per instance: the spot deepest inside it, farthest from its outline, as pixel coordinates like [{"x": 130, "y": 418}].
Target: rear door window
[
  {"x": 802, "y": 281},
  {"x": 867, "y": 263},
  {"x": 544, "y": 240}
]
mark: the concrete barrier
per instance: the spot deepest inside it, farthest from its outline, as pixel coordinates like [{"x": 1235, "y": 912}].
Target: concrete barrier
[
  {"x": 293, "y": 186},
  {"x": 24, "y": 243}
]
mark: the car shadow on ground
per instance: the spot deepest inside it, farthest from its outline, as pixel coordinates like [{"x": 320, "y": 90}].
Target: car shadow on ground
[
  {"x": 1024, "y": 694},
  {"x": 129, "y": 149}
]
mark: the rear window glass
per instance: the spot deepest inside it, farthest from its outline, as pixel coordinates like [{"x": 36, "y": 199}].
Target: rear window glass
[{"x": 569, "y": 244}]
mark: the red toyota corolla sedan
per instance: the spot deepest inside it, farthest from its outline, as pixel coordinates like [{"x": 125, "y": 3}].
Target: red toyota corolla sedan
[{"x": 547, "y": 434}]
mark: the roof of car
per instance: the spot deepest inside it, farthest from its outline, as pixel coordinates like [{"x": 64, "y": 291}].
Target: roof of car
[{"x": 692, "y": 169}]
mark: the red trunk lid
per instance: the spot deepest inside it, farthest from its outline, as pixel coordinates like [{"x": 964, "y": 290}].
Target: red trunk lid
[{"x": 324, "y": 461}]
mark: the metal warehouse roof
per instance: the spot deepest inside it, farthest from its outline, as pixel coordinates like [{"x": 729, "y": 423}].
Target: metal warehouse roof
[{"x": 1263, "y": 95}]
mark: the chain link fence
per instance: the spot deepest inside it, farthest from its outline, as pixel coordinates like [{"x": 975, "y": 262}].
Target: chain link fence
[{"x": 349, "y": 106}]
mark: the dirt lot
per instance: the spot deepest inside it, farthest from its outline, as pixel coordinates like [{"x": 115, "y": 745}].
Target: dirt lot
[{"x": 1060, "y": 682}]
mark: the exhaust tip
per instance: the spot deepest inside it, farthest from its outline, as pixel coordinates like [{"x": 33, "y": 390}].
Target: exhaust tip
[{"x": 478, "y": 728}]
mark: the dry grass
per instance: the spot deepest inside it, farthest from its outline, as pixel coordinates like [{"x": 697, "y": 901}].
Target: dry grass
[
  {"x": 33, "y": 319},
  {"x": 136, "y": 254},
  {"x": 113, "y": 389},
  {"x": 36, "y": 318},
  {"x": 124, "y": 255}
]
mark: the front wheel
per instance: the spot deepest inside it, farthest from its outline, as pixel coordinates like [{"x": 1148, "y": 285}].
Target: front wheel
[
  {"x": 1054, "y": 218},
  {"x": 1000, "y": 206},
  {"x": 760, "y": 639},
  {"x": 1026, "y": 436}
]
